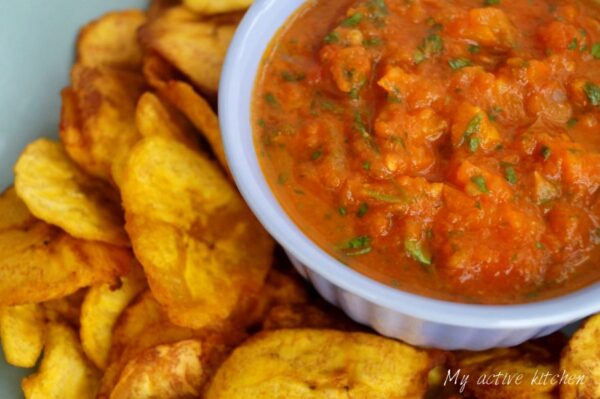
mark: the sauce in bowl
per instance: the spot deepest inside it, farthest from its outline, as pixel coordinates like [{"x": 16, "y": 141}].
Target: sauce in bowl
[{"x": 449, "y": 149}]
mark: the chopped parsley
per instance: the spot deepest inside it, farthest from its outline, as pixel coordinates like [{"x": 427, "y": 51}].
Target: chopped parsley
[
  {"x": 479, "y": 182},
  {"x": 316, "y": 155},
  {"x": 292, "y": 77},
  {"x": 366, "y": 165},
  {"x": 332, "y": 37},
  {"x": 474, "y": 49},
  {"x": 474, "y": 125},
  {"x": 572, "y": 122},
  {"x": 417, "y": 252},
  {"x": 271, "y": 99},
  {"x": 491, "y": 2},
  {"x": 393, "y": 199},
  {"x": 459, "y": 63},
  {"x": 573, "y": 44},
  {"x": 593, "y": 94},
  {"x": 510, "y": 174},
  {"x": 432, "y": 45},
  {"x": 352, "y": 20},
  {"x": 596, "y": 51},
  {"x": 363, "y": 208},
  {"x": 539, "y": 245},
  {"x": 342, "y": 211},
  {"x": 546, "y": 152},
  {"x": 474, "y": 144},
  {"x": 356, "y": 246}
]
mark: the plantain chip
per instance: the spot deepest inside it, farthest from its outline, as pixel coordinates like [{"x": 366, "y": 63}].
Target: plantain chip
[
  {"x": 98, "y": 119},
  {"x": 58, "y": 192},
  {"x": 312, "y": 364},
  {"x": 64, "y": 373},
  {"x": 165, "y": 371},
  {"x": 22, "y": 332},
  {"x": 217, "y": 7},
  {"x": 580, "y": 362},
  {"x": 66, "y": 309},
  {"x": 199, "y": 112},
  {"x": 100, "y": 310},
  {"x": 155, "y": 117},
  {"x": 308, "y": 315},
  {"x": 111, "y": 41},
  {"x": 39, "y": 262},
  {"x": 194, "y": 45},
  {"x": 520, "y": 370},
  {"x": 157, "y": 71},
  {"x": 201, "y": 247}
]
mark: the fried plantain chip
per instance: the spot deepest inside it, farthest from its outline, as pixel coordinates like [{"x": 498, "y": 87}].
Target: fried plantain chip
[
  {"x": 98, "y": 119},
  {"x": 306, "y": 315},
  {"x": 194, "y": 45},
  {"x": 58, "y": 192},
  {"x": 519, "y": 369},
  {"x": 66, "y": 309},
  {"x": 22, "y": 332},
  {"x": 155, "y": 117},
  {"x": 64, "y": 373},
  {"x": 165, "y": 371},
  {"x": 39, "y": 262},
  {"x": 157, "y": 71},
  {"x": 199, "y": 112},
  {"x": 100, "y": 310},
  {"x": 217, "y": 7},
  {"x": 201, "y": 247},
  {"x": 111, "y": 41},
  {"x": 580, "y": 362},
  {"x": 321, "y": 364}
]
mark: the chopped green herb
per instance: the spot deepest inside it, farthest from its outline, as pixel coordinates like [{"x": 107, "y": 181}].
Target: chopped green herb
[
  {"x": 366, "y": 165},
  {"x": 459, "y": 63},
  {"x": 342, "y": 211},
  {"x": 419, "y": 56},
  {"x": 332, "y": 37},
  {"x": 316, "y": 155},
  {"x": 473, "y": 144},
  {"x": 271, "y": 99},
  {"x": 362, "y": 245},
  {"x": 596, "y": 51},
  {"x": 479, "y": 181},
  {"x": 491, "y": 2},
  {"x": 393, "y": 98},
  {"x": 359, "y": 125},
  {"x": 352, "y": 20},
  {"x": 546, "y": 152},
  {"x": 373, "y": 42},
  {"x": 478, "y": 204},
  {"x": 573, "y": 44},
  {"x": 572, "y": 122},
  {"x": 261, "y": 123},
  {"x": 362, "y": 209},
  {"x": 593, "y": 93},
  {"x": 493, "y": 113},
  {"x": 354, "y": 93},
  {"x": 539, "y": 245},
  {"x": 432, "y": 45},
  {"x": 474, "y": 49},
  {"x": 510, "y": 174},
  {"x": 417, "y": 252},
  {"x": 474, "y": 125},
  {"x": 292, "y": 77},
  {"x": 282, "y": 178}
]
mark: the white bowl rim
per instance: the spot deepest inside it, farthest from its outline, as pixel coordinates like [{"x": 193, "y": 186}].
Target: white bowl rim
[{"x": 236, "y": 128}]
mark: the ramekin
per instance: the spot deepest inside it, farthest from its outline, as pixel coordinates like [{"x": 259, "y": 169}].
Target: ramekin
[{"x": 414, "y": 319}]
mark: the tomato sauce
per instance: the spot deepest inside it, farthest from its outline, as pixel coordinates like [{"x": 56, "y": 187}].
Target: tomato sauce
[{"x": 450, "y": 149}]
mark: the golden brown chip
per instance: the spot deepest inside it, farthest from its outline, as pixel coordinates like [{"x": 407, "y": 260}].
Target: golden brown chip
[
  {"x": 195, "y": 45},
  {"x": 100, "y": 310},
  {"x": 156, "y": 118},
  {"x": 199, "y": 112},
  {"x": 98, "y": 119},
  {"x": 66, "y": 309},
  {"x": 111, "y": 41},
  {"x": 39, "y": 262},
  {"x": 217, "y": 7},
  {"x": 311, "y": 364},
  {"x": 165, "y": 371},
  {"x": 201, "y": 247},
  {"x": 158, "y": 71},
  {"x": 64, "y": 373},
  {"x": 580, "y": 362},
  {"x": 22, "y": 331},
  {"x": 308, "y": 316},
  {"x": 58, "y": 192},
  {"x": 520, "y": 371}
]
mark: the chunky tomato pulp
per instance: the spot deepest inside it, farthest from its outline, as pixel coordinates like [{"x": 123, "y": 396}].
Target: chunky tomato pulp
[{"x": 449, "y": 149}]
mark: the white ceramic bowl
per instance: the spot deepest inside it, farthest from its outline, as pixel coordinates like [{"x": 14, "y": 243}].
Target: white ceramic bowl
[{"x": 415, "y": 319}]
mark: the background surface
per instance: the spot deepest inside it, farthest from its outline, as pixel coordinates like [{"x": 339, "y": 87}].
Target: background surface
[{"x": 37, "y": 41}]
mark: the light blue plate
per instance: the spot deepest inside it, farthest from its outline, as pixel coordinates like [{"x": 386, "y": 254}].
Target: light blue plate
[{"x": 37, "y": 40}]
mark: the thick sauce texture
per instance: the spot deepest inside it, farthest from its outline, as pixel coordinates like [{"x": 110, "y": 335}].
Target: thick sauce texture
[{"x": 448, "y": 148}]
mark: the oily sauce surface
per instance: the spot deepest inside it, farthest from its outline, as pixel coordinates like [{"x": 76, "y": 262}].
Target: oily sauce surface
[{"x": 446, "y": 148}]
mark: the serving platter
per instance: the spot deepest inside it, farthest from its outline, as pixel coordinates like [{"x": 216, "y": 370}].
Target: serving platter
[{"x": 37, "y": 40}]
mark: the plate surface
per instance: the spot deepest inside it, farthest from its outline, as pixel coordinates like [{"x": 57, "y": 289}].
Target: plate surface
[{"x": 37, "y": 45}]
